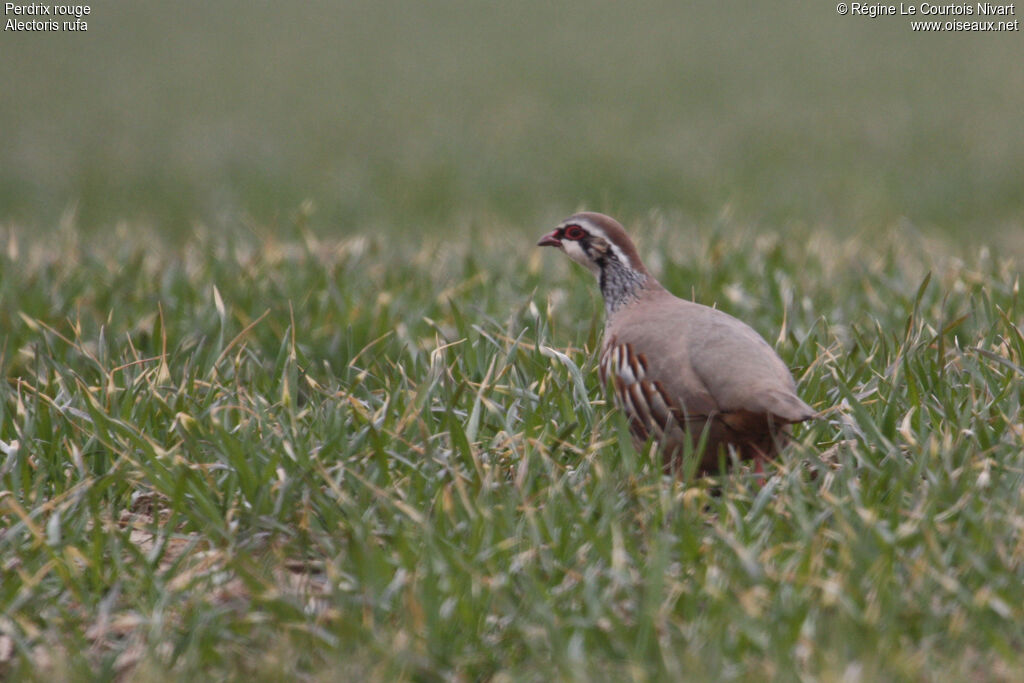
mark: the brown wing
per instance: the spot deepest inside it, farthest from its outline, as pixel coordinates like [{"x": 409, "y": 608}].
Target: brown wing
[
  {"x": 656, "y": 413},
  {"x": 653, "y": 412}
]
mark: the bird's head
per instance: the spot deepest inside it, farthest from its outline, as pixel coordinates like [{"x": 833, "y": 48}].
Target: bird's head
[{"x": 595, "y": 241}]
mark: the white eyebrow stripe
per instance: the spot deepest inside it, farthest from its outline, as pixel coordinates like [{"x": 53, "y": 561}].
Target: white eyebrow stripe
[{"x": 599, "y": 232}]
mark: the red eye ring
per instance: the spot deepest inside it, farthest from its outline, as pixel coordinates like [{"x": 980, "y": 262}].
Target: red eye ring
[{"x": 574, "y": 232}]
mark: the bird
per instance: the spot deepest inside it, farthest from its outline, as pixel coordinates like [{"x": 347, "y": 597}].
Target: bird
[{"x": 682, "y": 373}]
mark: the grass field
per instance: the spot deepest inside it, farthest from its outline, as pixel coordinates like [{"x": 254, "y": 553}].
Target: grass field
[
  {"x": 429, "y": 115},
  {"x": 289, "y": 393},
  {"x": 270, "y": 456}
]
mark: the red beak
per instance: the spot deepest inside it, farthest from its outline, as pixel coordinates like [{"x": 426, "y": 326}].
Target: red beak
[{"x": 550, "y": 240}]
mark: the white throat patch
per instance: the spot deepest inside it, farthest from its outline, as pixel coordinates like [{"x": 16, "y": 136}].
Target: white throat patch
[{"x": 574, "y": 251}]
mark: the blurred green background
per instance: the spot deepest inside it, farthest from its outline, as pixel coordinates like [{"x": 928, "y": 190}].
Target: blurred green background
[{"x": 445, "y": 114}]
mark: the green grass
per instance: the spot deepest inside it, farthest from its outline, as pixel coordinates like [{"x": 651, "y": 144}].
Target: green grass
[
  {"x": 364, "y": 438},
  {"x": 431, "y": 115},
  {"x": 277, "y": 455}
]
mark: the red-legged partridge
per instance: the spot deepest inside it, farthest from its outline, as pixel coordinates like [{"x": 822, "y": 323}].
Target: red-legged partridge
[{"x": 679, "y": 368}]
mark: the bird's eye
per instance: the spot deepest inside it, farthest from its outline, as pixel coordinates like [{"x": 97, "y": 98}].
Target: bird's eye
[{"x": 574, "y": 232}]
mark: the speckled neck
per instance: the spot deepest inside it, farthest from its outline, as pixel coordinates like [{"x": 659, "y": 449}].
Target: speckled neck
[{"x": 620, "y": 284}]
